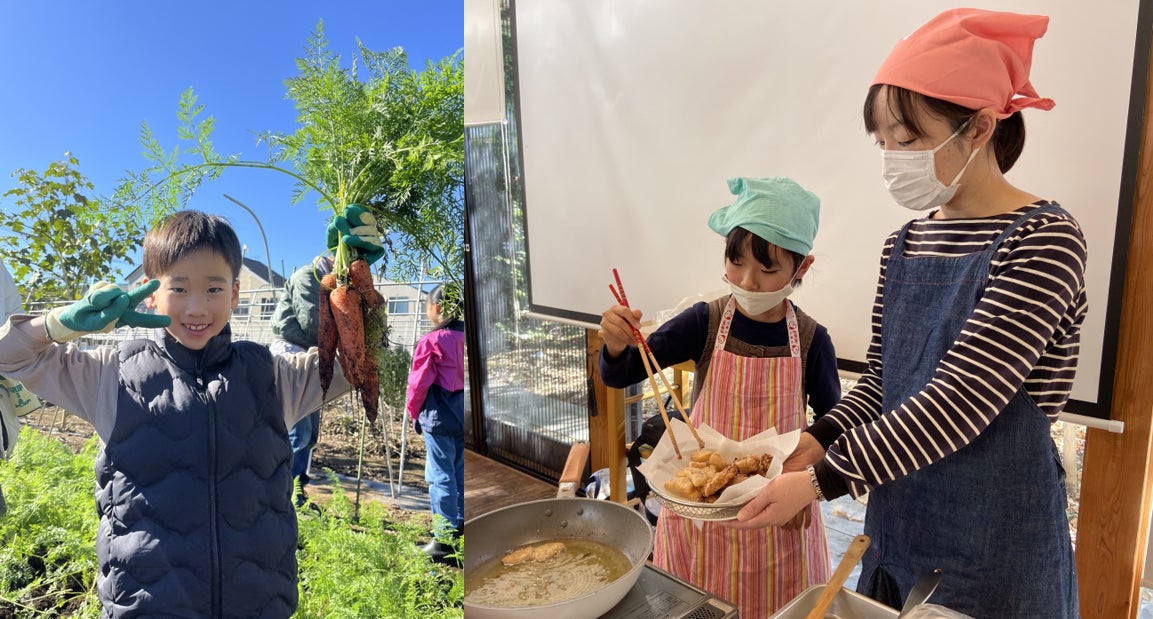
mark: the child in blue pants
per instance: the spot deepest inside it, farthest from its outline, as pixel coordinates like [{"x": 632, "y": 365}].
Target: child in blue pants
[{"x": 435, "y": 402}]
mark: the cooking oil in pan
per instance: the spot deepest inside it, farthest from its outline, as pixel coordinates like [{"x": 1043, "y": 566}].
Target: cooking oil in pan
[{"x": 581, "y": 567}]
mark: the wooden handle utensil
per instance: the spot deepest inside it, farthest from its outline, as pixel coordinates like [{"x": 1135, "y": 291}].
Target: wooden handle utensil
[
  {"x": 652, "y": 368},
  {"x": 574, "y": 468},
  {"x": 852, "y": 556}
]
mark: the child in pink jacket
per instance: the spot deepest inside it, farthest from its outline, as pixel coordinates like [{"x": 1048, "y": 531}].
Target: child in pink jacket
[{"x": 436, "y": 405}]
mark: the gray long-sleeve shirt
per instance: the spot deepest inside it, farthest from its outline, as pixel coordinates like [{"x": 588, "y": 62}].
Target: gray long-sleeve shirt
[{"x": 85, "y": 382}]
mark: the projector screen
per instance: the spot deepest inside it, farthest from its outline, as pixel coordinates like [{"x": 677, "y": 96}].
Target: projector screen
[
  {"x": 484, "y": 80},
  {"x": 632, "y": 115}
]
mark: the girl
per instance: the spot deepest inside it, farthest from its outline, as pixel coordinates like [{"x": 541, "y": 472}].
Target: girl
[
  {"x": 975, "y": 335},
  {"x": 436, "y": 405},
  {"x": 758, "y": 359}
]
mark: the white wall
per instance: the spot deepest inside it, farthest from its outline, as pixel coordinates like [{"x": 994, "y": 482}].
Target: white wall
[{"x": 633, "y": 114}]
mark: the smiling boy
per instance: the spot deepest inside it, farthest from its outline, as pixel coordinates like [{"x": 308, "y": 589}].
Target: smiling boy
[{"x": 192, "y": 483}]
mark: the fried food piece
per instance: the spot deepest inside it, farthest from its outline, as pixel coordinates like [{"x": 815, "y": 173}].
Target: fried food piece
[
  {"x": 748, "y": 464},
  {"x": 719, "y": 481},
  {"x": 701, "y": 455},
  {"x": 766, "y": 460},
  {"x": 700, "y": 477},
  {"x": 683, "y": 487},
  {"x": 708, "y": 474},
  {"x": 536, "y": 552}
]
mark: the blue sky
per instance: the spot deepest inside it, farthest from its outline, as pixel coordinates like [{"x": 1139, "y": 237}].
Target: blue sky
[{"x": 81, "y": 77}]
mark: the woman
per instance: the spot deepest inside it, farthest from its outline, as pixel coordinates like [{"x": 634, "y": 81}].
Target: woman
[{"x": 975, "y": 338}]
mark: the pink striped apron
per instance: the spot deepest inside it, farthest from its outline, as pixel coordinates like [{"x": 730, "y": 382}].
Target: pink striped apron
[{"x": 763, "y": 569}]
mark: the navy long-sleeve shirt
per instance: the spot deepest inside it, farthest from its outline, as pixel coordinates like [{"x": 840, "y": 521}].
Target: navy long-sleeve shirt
[
  {"x": 685, "y": 337},
  {"x": 1024, "y": 332}
]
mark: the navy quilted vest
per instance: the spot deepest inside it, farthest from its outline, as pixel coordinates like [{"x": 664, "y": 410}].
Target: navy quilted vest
[{"x": 193, "y": 487}]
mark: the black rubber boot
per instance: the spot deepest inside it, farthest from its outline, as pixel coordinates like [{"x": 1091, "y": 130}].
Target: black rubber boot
[{"x": 442, "y": 553}]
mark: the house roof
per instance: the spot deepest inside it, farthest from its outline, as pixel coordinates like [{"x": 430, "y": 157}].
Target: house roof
[
  {"x": 261, "y": 270},
  {"x": 256, "y": 267}
]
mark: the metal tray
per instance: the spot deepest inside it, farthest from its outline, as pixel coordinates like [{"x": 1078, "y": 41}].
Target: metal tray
[
  {"x": 700, "y": 511},
  {"x": 847, "y": 605}
]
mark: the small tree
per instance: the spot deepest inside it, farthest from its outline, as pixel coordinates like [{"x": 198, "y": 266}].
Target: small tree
[
  {"x": 393, "y": 364},
  {"x": 59, "y": 239},
  {"x": 377, "y": 134}
]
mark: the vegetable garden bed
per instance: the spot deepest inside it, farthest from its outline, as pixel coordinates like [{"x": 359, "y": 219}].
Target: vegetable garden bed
[{"x": 353, "y": 563}]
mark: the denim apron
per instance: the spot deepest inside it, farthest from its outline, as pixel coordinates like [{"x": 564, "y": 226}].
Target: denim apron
[
  {"x": 758, "y": 570},
  {"x": 992, "y": 514}
]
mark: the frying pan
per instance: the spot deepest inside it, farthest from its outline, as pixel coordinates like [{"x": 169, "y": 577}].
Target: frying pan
[{"x": 497, "y": 532}]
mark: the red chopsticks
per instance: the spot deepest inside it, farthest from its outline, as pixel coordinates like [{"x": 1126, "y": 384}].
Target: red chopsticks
[{"x": 654, "y": 368}]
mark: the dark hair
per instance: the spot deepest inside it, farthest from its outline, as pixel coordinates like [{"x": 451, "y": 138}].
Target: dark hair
[
  {"x": 765, "y": 252},
  {"x": 1008, "y": 137},
  {"x": 185, "y": 232}
]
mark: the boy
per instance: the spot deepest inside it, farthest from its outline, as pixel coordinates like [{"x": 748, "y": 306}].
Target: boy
[{"x": 192, "y": 484}]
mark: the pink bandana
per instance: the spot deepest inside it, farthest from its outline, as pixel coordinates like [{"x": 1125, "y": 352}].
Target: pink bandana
[{"x": 974, "y": 58}]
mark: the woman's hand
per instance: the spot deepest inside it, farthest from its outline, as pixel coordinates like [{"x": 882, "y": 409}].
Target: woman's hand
[
  {"x": 617, "y": 324},
  {"x": 777, "y": 503},
  {"x": 808, "y": 451},
  {"x": 802, "y": 520}
]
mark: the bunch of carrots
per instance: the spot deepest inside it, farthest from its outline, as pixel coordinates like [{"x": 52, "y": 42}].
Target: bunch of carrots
[{"x": 351, "y": 321}]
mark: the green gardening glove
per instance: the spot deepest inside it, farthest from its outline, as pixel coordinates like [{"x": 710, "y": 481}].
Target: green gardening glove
[
  {"x": 357, "y": 228},
  {"x": 133, "y": 318},
  {"x": 104, "y": 307}
]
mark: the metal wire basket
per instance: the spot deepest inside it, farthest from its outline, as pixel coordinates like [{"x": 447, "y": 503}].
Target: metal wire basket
[{"x": 694, "y": 510}]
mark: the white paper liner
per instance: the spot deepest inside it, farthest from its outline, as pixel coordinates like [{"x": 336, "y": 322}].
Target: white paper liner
[{"x": 662, "y": 465}]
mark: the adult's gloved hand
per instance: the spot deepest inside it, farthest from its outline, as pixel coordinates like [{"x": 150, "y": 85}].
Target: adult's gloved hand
[
  {"x": 357, "y": 228},
  {"x": 104, "y": 307},
  {"x": 416, "y": 425}
]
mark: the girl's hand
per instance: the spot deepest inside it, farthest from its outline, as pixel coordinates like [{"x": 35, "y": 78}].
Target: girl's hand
[
  {"x": 776, "y": 503},
  {"x": 808, "y": 451},
  {"x": 616, "y": 328}
]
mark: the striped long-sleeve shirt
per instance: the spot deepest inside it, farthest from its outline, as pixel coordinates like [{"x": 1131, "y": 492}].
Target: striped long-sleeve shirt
[{"x": 1025, "y": 330}]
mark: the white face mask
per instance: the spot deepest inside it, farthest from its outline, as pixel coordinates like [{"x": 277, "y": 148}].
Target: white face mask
[
  {"x": 757, "y": 303},
  {"x": 911, "y": 177}
]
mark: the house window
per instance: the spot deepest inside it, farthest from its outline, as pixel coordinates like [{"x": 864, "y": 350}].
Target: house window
[{"x": 399, "y": 305}]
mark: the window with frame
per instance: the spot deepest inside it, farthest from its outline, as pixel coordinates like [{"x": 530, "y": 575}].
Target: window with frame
[{"x": 399, "y": 305}]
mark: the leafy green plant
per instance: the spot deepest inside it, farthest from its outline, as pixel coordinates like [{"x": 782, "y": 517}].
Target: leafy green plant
[
  {"x": 60, "y": 236},
  {"x": 48, "y": 557},
  {"x": 368, "y": 566},
  {"x": 393, "y": 364},
  {"x": 452, "y": 303},
  {"x": 373, "y": 569},
  {"x": 392, "y": 142}
]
